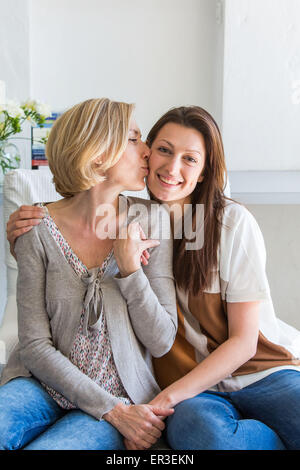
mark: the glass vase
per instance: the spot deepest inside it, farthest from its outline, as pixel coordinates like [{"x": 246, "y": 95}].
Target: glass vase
[{"x": 9, "y": 158}]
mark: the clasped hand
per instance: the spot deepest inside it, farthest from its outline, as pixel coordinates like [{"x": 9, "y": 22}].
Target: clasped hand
[{"x": 141, "y": 425}]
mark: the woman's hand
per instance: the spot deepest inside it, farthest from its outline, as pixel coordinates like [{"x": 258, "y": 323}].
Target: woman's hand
[
  {"x": 139, "y": 424},
  {"x": 145, "y": 255},
  {"x": 21, "y": 221},
  {"x": 161, "y": 401},
  {"x": 130, "y": 249}
]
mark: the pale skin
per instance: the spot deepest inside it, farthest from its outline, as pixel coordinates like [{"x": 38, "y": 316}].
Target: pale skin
[{"x": 178, "y": 157}]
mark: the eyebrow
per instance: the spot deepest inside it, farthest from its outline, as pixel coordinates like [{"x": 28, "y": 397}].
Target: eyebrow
[{"x": 190, "y": 150}]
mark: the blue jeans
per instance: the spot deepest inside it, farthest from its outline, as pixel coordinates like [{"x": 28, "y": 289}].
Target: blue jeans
[
  {"x": 31, "y": 419},
  {"x": 263, "y": 416}
]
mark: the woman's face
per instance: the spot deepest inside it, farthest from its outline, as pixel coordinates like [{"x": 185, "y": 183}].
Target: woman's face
[
  {"x": 130, "y": 171},
  {"x": 176, "y": 163}
]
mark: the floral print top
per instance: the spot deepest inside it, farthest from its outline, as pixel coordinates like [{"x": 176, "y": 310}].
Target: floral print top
[{"x": 91, "y": 353}]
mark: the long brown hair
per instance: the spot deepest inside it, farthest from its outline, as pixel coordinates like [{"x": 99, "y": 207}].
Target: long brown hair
[{"x": 194, "y": 269}]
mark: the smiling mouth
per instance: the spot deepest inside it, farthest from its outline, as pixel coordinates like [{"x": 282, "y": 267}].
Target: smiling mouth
[{"x": 168, "y": 181}]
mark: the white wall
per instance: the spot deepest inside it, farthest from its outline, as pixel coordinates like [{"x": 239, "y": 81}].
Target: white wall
[
  {"x": 157, "y": 53},
  {"x": 14, "y": 60},
  {"x": 14, "y": 51},
  {"x": 261, "y": 109}
]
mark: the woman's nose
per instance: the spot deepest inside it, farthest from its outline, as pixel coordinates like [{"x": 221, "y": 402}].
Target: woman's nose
[{"x": 173, "y": 166}]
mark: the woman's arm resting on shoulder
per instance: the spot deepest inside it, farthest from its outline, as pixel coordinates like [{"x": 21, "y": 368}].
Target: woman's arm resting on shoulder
[
  {"x": 21, "y": 221},
  {"x": 243, "y": 329}
]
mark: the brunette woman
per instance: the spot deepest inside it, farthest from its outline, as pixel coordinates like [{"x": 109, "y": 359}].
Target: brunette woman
[{"x": 232, "y": 373}]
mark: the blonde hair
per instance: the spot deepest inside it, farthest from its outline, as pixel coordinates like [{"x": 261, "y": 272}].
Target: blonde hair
[{"x": 85, "y": 141}]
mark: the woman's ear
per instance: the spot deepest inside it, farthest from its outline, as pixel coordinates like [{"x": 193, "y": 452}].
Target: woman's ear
[{"x": 200, "y": 179}]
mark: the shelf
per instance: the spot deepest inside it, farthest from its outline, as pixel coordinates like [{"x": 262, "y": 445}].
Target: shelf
[{"x": 265, "y": 187}]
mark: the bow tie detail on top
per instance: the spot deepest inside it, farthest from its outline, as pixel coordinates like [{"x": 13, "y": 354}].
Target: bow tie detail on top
[{"x": 93, "y": 300}]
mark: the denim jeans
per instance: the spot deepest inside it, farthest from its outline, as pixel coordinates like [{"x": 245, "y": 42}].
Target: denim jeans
[
  {"x": 262, "y": 416},
  {"x": 31, "y": 419}
]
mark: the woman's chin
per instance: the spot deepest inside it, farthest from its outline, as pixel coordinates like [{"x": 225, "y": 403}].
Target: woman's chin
[
  {"x": 138, "y": 186},
  {"x": 162, "y": 196}
]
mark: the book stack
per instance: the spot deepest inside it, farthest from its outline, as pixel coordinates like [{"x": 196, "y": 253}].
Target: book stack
[{"x": 38, "y": 134}]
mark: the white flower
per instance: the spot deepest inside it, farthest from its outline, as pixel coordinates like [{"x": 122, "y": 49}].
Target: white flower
[
  {"x": 14, "y": 109},
  {"x": 30, "y": 104},
  {"x": 43, "y": 109},
  {"x": 31, "y": 120}
]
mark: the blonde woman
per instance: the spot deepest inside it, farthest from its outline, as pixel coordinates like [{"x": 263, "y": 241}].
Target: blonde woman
[{"x": 89, "y": 314}]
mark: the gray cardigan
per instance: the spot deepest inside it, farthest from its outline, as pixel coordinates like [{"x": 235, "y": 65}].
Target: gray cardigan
[{"x": 140, "y": 311}]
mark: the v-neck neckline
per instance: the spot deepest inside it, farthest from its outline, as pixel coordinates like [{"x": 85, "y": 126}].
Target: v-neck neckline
[{"x": 88, "y": 270}]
